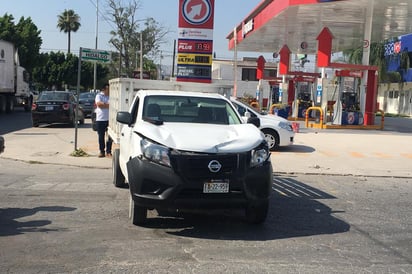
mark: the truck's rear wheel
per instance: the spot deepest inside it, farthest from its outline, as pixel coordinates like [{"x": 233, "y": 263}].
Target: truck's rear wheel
[
  {"x": 118, "y": 177},
  {"x": 257, "y": 212},
  {"x": 3, "y": 103},
  {"x": 137, "y": 214},
  {"x": 9, "y": 104}
]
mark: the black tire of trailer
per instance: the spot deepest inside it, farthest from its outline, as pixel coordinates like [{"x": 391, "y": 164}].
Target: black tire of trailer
[
  {"x": 3, "y": 103},
  {"x": 118, "y": 177},
  {"x": 9, "y": 104}
]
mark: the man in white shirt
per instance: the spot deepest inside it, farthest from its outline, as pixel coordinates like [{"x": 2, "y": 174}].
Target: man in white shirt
[{"x": 102, "y": 121}]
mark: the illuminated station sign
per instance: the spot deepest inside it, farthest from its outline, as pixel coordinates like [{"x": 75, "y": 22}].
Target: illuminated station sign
[{"x": 195, "y": 41}]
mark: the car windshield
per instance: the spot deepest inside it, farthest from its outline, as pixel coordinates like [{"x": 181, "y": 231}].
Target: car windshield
[
  {"x": 87, "y": 96},
  {"x": 190, "y": 109},
  {"x": 59, "y": 96}
]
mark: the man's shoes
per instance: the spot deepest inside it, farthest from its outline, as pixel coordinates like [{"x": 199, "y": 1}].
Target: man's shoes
[
  {"x": 109, "y": 154},
  {"x": 101, "y": 155}
]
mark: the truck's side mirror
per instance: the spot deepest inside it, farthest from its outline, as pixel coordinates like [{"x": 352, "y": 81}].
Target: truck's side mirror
[
  {"x": 124, "y": 117},
  {"x": 254, "y": 120},
  {"x": 247, "y": 114}
]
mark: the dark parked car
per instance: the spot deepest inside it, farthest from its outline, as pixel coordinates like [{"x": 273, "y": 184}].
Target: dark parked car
[
  {"x": 56, "y": 107},
  {"x": 1, "y": 144},
  {"x": 86, "y": 101}
]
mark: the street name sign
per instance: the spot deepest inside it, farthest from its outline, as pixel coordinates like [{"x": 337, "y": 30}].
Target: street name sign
[{"x": 96, "y": 55}]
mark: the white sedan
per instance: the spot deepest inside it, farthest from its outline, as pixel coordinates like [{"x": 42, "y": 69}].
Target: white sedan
[{"x": 278, "y": 130}]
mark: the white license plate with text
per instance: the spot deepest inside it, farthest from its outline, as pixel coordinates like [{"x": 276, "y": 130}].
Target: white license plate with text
[{"x": 216, "y": 186}]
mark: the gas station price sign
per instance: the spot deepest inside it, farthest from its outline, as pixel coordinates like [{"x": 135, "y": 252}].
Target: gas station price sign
[
  {"x": 194, "y": 59},
  {"x": 190, "y": 71},
  {"x": 195, "y": 46}
]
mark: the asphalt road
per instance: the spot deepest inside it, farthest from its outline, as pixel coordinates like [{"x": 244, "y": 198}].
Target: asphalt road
[
  {"x": 71, "y": 219},
  {"x": 56, "y": 219}
]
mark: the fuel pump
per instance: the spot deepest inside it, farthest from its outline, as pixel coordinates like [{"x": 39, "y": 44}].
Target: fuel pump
[
  {"x": 304, "y": 96},
  {"x": 346, "y": 110}
]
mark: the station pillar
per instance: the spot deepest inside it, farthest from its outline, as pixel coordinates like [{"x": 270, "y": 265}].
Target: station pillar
[{"x": 370, "y": 100}]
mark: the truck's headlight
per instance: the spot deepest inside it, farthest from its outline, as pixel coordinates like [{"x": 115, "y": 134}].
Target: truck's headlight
[
  {"x": 155, "y": 153},
  {"x": 259, "y": 155}
]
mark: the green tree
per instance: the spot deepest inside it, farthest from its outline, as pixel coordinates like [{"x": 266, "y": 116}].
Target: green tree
[
  {"x": 26, "y": 38},
  {"x": 126, "y": 37},
  {"x": 376, "y": 58},
  {"x": 59, "y": 70},
  {"x": 68, "y": 22},
  {"x": 30, "y": 43}
]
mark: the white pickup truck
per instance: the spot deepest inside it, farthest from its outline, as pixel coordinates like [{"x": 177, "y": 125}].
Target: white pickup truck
[{"x": 181, "y": 150}]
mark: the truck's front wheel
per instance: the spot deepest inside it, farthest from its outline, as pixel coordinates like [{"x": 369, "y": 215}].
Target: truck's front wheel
[
  {"x": 256, "y": 212},
  {"x": 27, "y": 107},
  {"x": 137, "y": 214},
  {"x": 118, "y": 177}
]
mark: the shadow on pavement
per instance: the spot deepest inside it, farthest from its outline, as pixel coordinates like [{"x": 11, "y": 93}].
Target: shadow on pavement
[
  {"x": 398, "y": 124},
  {"x": 296, "y": 149},
  {"x": 15, "y": 121},
  {"x": 294, "y": 212},
  {"x": 10, "y": 226}
]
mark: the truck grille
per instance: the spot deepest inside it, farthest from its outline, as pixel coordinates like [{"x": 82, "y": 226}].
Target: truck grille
[{"x": 194, "y": 166}]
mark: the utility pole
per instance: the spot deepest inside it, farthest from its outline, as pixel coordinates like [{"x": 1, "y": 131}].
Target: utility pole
[
  {"x": 141, "y": 55},
  {"x": 97, "y": 31}
]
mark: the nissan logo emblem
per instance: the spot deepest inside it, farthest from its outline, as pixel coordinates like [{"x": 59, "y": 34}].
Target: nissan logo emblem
[{"x": 214, "y": 166}]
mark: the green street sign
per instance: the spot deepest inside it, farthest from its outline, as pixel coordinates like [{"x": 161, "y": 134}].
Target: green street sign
[{"x": 96, "y": 55}]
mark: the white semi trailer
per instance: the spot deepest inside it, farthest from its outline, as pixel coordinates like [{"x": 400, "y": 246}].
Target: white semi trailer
[{"x": 14, "y": 80}]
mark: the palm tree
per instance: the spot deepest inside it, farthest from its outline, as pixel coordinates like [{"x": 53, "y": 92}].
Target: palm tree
[
  {"x": 68, "y": 22},
  {"x": 376, "y": 58}
]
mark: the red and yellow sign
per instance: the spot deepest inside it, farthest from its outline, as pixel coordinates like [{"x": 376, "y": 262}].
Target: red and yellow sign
[{"x": 194, "y": 59}]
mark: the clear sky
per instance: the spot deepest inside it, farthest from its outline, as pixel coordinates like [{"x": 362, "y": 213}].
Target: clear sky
[{"x": 228, "y": 14}]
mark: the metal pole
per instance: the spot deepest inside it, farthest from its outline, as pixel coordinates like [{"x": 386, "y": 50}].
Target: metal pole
[
  {"x": 141, "y": 55},
  {"x": 235, "y": 65},
  {"x": 366, "y": 52},
  {"x": 97, "y": 31},
  {"x": 174, "y": 57},
  {"x": 79, "y": 69}
]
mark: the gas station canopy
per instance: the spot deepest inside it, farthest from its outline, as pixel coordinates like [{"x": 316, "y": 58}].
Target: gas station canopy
[{"x": 297, "y": 24}]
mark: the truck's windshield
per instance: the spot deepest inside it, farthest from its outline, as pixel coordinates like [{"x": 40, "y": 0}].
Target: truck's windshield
[{"x": 188, "y": 109}]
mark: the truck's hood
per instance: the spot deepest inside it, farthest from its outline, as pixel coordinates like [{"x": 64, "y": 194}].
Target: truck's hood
[{"x": 207, "y": 138}]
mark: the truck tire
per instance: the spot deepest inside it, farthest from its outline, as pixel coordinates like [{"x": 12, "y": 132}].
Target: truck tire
[
  {"x": 27, "y": 107},
  {"x": 9, "y": 104},
  {"x": 272, "y": 138},
  {"x": 118, "y": 177},
  {"x": 3, "y": 103},
  {"x": 137, "y": 214},
  {"x": 257, "y": 212}
]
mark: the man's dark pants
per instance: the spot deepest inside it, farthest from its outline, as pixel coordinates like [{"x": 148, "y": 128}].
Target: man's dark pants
[{"x": 101, "y": 132}]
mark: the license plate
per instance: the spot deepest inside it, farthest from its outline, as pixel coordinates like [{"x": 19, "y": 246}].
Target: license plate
[
  {"x": 216, "y": 186},
  {"x": 48, "y": 108}
]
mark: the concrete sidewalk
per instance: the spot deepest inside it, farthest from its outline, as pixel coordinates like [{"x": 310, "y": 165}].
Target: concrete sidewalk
[{"x": 338, "y": 152}]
